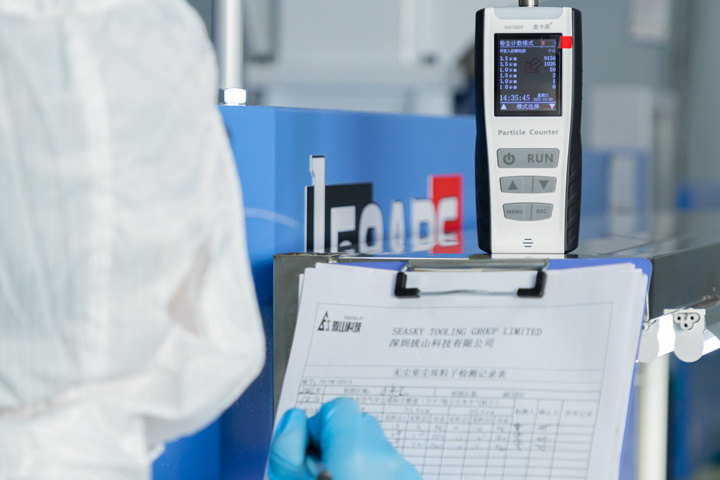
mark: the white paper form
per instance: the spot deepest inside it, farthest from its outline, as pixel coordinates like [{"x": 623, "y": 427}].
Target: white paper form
[{"x": 468, "y": 386}]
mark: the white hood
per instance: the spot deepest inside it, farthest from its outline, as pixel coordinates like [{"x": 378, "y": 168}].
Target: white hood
[{"x": 128, "y": 316}]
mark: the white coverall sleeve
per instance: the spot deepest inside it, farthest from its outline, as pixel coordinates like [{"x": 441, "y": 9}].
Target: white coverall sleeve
[{"x": 128, "y": 316}]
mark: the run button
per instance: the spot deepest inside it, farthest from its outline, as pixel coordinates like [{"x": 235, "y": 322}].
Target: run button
[{"x": 528, "y": 157}]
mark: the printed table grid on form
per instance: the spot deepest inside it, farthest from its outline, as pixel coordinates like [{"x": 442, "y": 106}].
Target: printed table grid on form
[{"x": 464, "y": 433}]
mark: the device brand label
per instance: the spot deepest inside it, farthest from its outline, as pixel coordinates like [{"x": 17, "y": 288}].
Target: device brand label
[
  {"x": 519, "y": 132},
  {"x": 349, "y": 324},
  {"x": 353, "y": 222}
]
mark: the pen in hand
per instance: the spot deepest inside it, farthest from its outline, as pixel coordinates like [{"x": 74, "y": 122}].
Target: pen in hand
[{"x": 314, "y": 463}]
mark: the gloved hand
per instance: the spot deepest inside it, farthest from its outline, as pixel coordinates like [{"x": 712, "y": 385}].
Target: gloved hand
[{"x": 352, "y": 444}]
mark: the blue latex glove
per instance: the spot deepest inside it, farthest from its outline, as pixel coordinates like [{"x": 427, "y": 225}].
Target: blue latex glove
[
  {"x": 352, "y": 444},
  {"x": 287, "y": 452}
]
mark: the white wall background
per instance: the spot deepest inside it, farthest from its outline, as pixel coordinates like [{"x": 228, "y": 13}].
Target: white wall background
[
  {"x": 373, "y": 55},
  {"x": 316, "y": 38}
]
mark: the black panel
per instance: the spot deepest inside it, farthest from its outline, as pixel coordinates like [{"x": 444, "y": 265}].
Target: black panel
[
  {"x": 482, "y": 169},
  {"x": 358, "y": 195},
  {"x": 574, "y": 174}
]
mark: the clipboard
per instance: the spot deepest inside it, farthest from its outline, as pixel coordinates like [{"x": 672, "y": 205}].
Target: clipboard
[{"x": 534, "y": 281}]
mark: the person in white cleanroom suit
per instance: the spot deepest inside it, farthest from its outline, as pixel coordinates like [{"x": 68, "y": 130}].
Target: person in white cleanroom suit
[{"x": 127, "y": 312}]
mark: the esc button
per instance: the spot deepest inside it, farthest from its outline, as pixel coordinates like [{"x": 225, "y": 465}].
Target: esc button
[{"x": 541, "y": 211}]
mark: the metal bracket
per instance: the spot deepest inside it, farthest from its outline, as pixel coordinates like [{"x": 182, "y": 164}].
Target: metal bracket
[
  {"x": 690, "y": 332},
  {"x": 689, "y": 327}
]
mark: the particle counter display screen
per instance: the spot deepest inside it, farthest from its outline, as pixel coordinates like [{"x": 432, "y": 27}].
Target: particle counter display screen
[{"x": 527, "y": 75}]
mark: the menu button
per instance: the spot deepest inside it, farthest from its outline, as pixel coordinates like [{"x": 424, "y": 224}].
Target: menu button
[{"x": 518, "y": 211}]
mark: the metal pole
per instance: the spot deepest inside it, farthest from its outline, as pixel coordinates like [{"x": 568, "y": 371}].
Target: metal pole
[
  {"x": 653, "y": 384},
  {"x": 528, "y": 3},
  {"x": 228, "y": 39}
]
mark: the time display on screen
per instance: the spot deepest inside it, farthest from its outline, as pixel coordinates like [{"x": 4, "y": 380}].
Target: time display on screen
[{"x": 527, "y": 75}]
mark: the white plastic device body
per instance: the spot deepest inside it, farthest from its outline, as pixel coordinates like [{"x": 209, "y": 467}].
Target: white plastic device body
[{"x": 528, "y": 198}]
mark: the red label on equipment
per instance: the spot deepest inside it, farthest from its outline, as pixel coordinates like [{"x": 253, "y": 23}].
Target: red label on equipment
[
  {"x": 565, "y": 42},
  {"x": 445, "y": 191}
]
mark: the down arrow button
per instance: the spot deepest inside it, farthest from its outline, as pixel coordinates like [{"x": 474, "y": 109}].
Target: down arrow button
[{"x": 543, "y": 184}]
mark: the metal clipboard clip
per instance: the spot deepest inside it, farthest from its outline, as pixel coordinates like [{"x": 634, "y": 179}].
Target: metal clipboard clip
[{"x": 537, "y": 291}]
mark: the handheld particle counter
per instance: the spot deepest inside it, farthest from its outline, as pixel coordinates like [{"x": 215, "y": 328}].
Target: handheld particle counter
[{"x": 528, "y": 156}]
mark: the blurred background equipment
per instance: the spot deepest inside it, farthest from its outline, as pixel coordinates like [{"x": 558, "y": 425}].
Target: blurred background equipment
[{"x": 649, "y": 131}]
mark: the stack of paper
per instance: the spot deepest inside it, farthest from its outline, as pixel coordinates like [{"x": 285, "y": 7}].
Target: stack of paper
[{"x": 476, "y": 386}]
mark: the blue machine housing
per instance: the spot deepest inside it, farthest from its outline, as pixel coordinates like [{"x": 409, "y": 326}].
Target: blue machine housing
[{"x": 399, "y": 156}]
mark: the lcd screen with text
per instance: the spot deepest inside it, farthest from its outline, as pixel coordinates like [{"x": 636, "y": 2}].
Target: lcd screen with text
[{"x": 527, "y": 75}]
